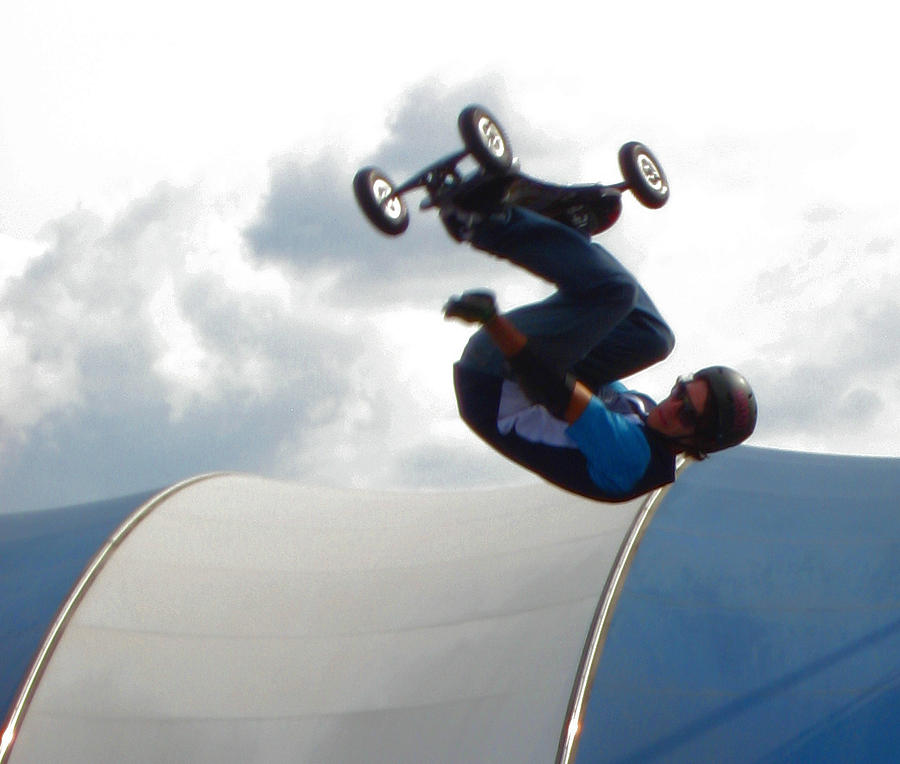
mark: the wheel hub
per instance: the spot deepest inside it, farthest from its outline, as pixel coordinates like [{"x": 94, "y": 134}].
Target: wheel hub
[
  {"x": 651, "y": 173},
  {"x": 389, "y": 203},
  {"x": 491, "y": 137}
]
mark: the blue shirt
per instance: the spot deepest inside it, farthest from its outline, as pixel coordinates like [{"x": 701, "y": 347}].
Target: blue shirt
[
  {"x": 624, "y": 457},
  {"x": 614, "y": 445}
]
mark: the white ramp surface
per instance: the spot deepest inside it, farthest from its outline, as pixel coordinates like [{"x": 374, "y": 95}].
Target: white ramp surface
[{"x": 250, "y": 620}]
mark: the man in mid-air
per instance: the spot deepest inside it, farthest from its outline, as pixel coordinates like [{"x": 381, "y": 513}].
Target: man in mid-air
[{"x": 540, "y": 383}]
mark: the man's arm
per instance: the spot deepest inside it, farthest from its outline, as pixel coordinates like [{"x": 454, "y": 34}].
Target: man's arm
[
  {"x": 564, "y": 398},
  {"x": 512, "y": 342}
]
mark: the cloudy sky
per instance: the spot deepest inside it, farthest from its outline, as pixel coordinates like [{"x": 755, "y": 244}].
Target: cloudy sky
[{"x": 186, "y": 284}]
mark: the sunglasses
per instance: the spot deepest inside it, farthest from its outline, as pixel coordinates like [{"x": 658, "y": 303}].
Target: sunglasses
[{"x": 687, "y": 413}]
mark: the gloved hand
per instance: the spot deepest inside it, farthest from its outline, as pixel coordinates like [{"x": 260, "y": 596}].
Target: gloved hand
[{"x": 477, "y": 306}]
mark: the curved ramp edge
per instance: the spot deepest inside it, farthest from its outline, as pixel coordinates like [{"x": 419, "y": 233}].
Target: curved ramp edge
[
  {"x": 56, "y": 628},
  {"x": 593, "y": 649}
]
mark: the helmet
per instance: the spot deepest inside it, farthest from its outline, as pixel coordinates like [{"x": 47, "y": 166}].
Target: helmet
[{"x": 734, "y": 415}]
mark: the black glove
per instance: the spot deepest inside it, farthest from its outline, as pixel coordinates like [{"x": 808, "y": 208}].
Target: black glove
[{"x": 473, "y": 307}]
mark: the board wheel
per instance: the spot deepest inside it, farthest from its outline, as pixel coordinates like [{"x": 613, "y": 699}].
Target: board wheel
[
  {"x": 375, "y": 195},
  {"x": 644, "y": 175},
  {"x": 485, "y": 139}
]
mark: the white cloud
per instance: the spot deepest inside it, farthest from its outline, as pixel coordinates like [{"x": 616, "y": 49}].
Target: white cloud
[{"x": 217, "y": 293}]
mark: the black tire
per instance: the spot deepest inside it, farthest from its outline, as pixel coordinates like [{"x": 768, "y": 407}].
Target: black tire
[
  {"x": 644, "y": 175},
  {"x": 375, "y": 195},
  {"x": 485, "y": 139}
]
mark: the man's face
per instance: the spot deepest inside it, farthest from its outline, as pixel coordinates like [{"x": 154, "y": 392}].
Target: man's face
[{"x": 677, "y": 415}]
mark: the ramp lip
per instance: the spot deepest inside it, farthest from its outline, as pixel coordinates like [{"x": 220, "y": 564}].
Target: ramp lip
[
  {"x": 593, "y": 649},
  {"x": 90, "y": 573}
]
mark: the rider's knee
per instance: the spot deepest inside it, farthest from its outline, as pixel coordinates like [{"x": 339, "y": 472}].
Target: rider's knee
[
  {"x": 618, "y": 294},
  {"x": 661, "y": 342}
]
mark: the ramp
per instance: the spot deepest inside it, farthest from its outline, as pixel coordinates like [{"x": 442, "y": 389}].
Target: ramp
[
  {"x": 249, "y": 620},
  {"x": 754, "y": 617}
]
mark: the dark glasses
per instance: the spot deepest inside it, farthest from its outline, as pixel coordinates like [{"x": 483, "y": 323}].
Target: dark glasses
[{"x": 687, "y": 413}]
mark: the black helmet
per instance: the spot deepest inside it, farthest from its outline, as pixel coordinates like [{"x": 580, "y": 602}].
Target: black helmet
[{"x": 734, "y": 416}]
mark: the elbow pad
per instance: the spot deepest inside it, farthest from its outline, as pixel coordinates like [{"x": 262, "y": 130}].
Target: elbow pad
[{"x": 542, "y": 384}]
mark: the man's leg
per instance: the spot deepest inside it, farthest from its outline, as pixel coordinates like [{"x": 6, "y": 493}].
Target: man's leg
[
  {"x": 550, "y": 250},
  {"x": 596, "y": 295},
  {"x": 638, "y": 342}
]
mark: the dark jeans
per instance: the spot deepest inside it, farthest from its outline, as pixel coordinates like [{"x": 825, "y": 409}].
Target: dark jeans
[{"x": 599, "y": 324}]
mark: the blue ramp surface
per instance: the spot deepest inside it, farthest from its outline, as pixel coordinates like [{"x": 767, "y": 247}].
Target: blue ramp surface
[
  {"x": 42, "y": 555},
  {"x": 760, "y": 620}
]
